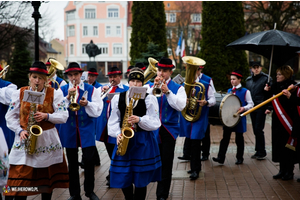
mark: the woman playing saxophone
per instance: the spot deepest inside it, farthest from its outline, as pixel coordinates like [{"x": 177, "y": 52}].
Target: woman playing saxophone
[
  {"x": 141, "y": 163},
  {"x": 44, "y": 169}
]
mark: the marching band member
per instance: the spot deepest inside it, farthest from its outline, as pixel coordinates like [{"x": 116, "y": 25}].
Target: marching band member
[
  {"x": 78, "y": 131},
  {"x": 244, "y": 95},
  {"x": 46, "y": 168},
  {"x": 195, "y": 131},
  {"x": 141, "y": 163},
  {"x": 6, "y": 90},
  {"x": 172, "y": 101},
  {"x": 114, "y": 77},
  {"x": 285, "y": 110},
  {"x": 59, "y": 80}
]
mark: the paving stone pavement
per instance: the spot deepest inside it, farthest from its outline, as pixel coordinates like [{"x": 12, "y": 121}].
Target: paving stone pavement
[{"x": 251, "y": 180}]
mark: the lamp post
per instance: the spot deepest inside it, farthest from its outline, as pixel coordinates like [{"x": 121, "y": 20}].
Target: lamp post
[{"x": 36, "y": 15}]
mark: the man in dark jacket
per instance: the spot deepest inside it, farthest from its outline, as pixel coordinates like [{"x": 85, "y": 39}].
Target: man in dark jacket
[{"x": 256, "y": 83}]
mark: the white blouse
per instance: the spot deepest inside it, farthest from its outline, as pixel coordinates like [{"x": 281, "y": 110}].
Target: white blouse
[
  {"x": 148, "y": 122},
  {"x": 49, "y": 150},
  {"x": 6, "y": 92}
]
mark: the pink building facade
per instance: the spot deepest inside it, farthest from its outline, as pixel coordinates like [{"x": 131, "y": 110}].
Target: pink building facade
[{"x": 105, "y": 23}]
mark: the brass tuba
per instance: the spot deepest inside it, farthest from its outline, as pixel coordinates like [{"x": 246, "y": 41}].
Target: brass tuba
[
  {"x": 74, "y": 106},
  {"x": 55, "y": 65},
  {"x": 192, "y": 111},
  {"x": 151, "y": 70},
  {"x": 33, "y": 129},
  {"x": 126, "y": 130},
  {"x": 4, "y": 71}
]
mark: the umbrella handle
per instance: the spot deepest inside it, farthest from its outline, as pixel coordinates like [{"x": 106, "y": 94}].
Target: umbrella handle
[{"x": 270, "y": 66}]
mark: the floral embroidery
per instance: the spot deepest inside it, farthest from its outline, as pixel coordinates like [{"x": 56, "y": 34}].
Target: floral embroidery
[
  {"x": 61, "y": 106},
  {"x": 11, "y": 105},
  {"x": 41, "y": 149}
]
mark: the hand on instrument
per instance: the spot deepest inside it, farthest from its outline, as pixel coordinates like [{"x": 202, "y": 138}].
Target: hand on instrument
[
  {"x": 241, "y": 109},
  {"x": 119, "y": 137},
  {"x": 158, "y": 80},
  {"x": 83, "y": 102},
  {"x": 39, "y": 116},
  {"x": 71, "y": 91},
  {"x": 286, "y": 93},
  {"x": 267, "y": 87},
  {"x": 133, "y": 119},
  {"x": 164, "y": 87},
  {"x": 105, "y": 88},
  {"x": 23, "y": 135},
  {"x": 267, "y": 112},
  {"x": 202, "y": 102}
]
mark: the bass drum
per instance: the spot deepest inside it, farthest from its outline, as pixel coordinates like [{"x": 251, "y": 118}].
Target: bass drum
[{"x": 222, "y": 113}]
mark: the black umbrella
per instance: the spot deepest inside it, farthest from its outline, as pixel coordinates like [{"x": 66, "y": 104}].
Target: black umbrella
[{"x": 277, "y": 46}]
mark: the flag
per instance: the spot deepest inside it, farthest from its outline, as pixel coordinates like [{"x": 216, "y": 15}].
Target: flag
[
  {"x": 178, "y": 45},
  {"x": 182, "y": 48}
]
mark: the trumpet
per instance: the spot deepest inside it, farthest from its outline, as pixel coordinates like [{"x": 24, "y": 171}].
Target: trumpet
[
  {"x": 74, "y": 106},
  {"x": 104, "y": 93},
  {"x": 157, "y": 89}
]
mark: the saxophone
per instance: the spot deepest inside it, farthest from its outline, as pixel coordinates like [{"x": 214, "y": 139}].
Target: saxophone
[
  {"x": 126, "y": 131},
  {"x": 33, "y": 129}
]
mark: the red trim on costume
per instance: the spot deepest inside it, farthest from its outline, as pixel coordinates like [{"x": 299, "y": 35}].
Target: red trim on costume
[
  {"x": 143, "y": 68},
  {"x": 115, "y": 72},
  {"x": 234, "y": 73},
  {"x": 48, "y": 63},
  {"x": 95, "y": 73},
  {"x": 73, "y": 69},
  {"x": 164, "y": 65},
  {"x": 298, "y": 95},
  {"x": 201, "y": 67},
  {"x": 38, "y": 70}
]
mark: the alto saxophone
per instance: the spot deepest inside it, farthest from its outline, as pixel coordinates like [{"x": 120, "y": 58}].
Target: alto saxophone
[
  {"x": 33, "y": 129},
  {"x": 126, "y": 131}
]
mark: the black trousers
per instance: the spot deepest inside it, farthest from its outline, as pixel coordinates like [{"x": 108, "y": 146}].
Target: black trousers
[
  {"x": 258, "y": 119},
  {"x": 96, "y": 158},
  {"x": 195, "y": 155},
  {"x": 137, "y": 194},
  {"x": 239, "y": 140},
  {"x": 109, "y": 148},
  {"x": 166, "y": 148},
  {"x": 89, "y": 179}
]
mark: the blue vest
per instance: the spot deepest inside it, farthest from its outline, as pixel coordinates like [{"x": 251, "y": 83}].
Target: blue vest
[
  {"x": 84, "y": 123},
  {"x": 241, "y": 127},
  {"x": 101, "y": 132},
  {"x": 150, "y": 83},
  {"x": 97, "y": 85},
  {"x": 196, "y": 130},
  {"x": 54, "y": 85},
  {"x": 9, "y": 135},
  {"x": 205, "y": 78},
  {"x": 170, "y": 118}
]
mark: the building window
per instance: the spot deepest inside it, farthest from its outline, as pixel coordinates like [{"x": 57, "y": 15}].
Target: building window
[
  {"x": 95, "y": 30},
  {"x": 189, "y": 33},
  {"x": 167, "y": 17},
  {"x": 118, "y": 30},
  {"x": 103, "y": 48},
  {"x": 71, "y": 49},
  {"x": 71, "y": 15},
  {"x": 169, "y": 51},
  {"x": 108, "y": 30},
  {"x": 85, "y": 31},
  {"x": 247, "y": 6},
  {"x": 83, "y": 48},
  {"x": 117, "y": 49},
  {"x": 196, "y": 17},
  {"x": 113, "y": 12},
  {"x": 169, "y": 33},
  {"x": 90, "y": 13},
  {"x": 71, "y": 30},
  {"x": 172, "y": 17},
  {"x": 168, "y": 5}
]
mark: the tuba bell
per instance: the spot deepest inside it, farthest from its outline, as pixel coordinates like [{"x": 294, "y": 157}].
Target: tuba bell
[
  {"x": 192, "y": 111},
  {"x": 55, "y": 65},
  {"x": 151, "y": 70},
  {"x": 4, "y": 71}
]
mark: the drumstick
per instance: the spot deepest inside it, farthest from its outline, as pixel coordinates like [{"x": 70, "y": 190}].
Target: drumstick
[{"x": 236, "y": 114}]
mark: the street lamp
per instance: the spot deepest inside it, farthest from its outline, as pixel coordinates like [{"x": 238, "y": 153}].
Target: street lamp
[{"x": 36, "y": 15}]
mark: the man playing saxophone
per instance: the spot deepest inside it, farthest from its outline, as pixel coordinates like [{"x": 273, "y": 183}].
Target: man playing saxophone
[
  {"x": 79, "y": 131},
  {"x": 141, "y": 162},
  {"x": 46, "y": 167}
]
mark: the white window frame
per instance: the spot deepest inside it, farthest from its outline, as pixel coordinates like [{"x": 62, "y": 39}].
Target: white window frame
[
  {"x": 70, "y": 15},
  {"x": 118, "y": 31},
  {"x": 108, "y": 31},
  {"x": 83, "y": 50},
  {"x": 88, "y": 14},
  {"x": 172, "y": 17},
  {"x": 104, "y": 48},
  {"x": 72, "y": 49},
  {"x": 196, "y": 17},
  {"x": 85, "y": 31},
  {"x": 95, "y": 30},
  {"x": 167, "y": 16},
  {"x": 169, "y": 50},
  {"x": 117, "y": 49},
  {"x": 169, "y": 33},
  {"x": 71, "y": 30},
  {"x": 114, "y": 13}
]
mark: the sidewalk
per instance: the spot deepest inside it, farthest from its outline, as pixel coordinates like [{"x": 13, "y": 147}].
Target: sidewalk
[{"x": 251, "y": 180}]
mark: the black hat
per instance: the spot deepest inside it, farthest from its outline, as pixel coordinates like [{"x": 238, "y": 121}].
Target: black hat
[
  {"x": 113, "y": 71},
  {"x": 73, "y": 66},
  {"x": 255, "y": 64},
  {"x": 165, "y": 63},
  {"x": 93, "y": 71},
  {"x": 38, "y": 67},
  {"x": 129, "y": 68},
  {"x": 136, "y": 74},
  {"x": 140, "y": 65},
  {"x": 237, "y": 73}
]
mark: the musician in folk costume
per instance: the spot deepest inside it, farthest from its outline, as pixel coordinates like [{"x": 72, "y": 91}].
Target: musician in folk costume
[
  {"x": 115, "y": 86},
  {"x": 45, "y": 166},
  {"x": 6, "y": 90},
  {"x": 59, "y": 80},
  {"x": 195, "y": 131},
  {"x": 245, "y": 96},
  {"x": 141, "y": 164},
  {"x": 205, "y": 142},
  {"x": 79, "y": 130},
  {"x": 284, "y": 111},
  {"x": 171, "y": 103}
]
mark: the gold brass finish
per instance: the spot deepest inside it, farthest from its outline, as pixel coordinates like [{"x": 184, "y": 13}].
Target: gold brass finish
[
  {"x": 4, "y": 71},
  {"x": 74, "y": 106},
  {"x": 151, "y": 70},
  {"x": 55, "y": 65}
]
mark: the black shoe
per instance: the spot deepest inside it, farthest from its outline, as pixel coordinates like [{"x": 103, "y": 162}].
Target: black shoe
[
  {"x": 189, "y": 172},
  {"x": 161, "y": 198},
  {"x": 75, "y": 198},
  {"x": 185, "y": 158},
  {"x": 261, "y": 156},
  {"x": 239, "y": 161},
  {"x": 81, "y": 164},
  {"x": 287, "y": 176},
  {"x": 108, "y": 183},
  {"x": 194, "y": 175},
  {"x": 92, "y": 196},
  {"x": 204, "y": 158},
  {"x": 97, "y": 164},
  {"x": 298, "y": 179},
  {"x": 279, "y": 175},
  {"x": 218, "y": 160},
  {"x": 254, "y": 156}
]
